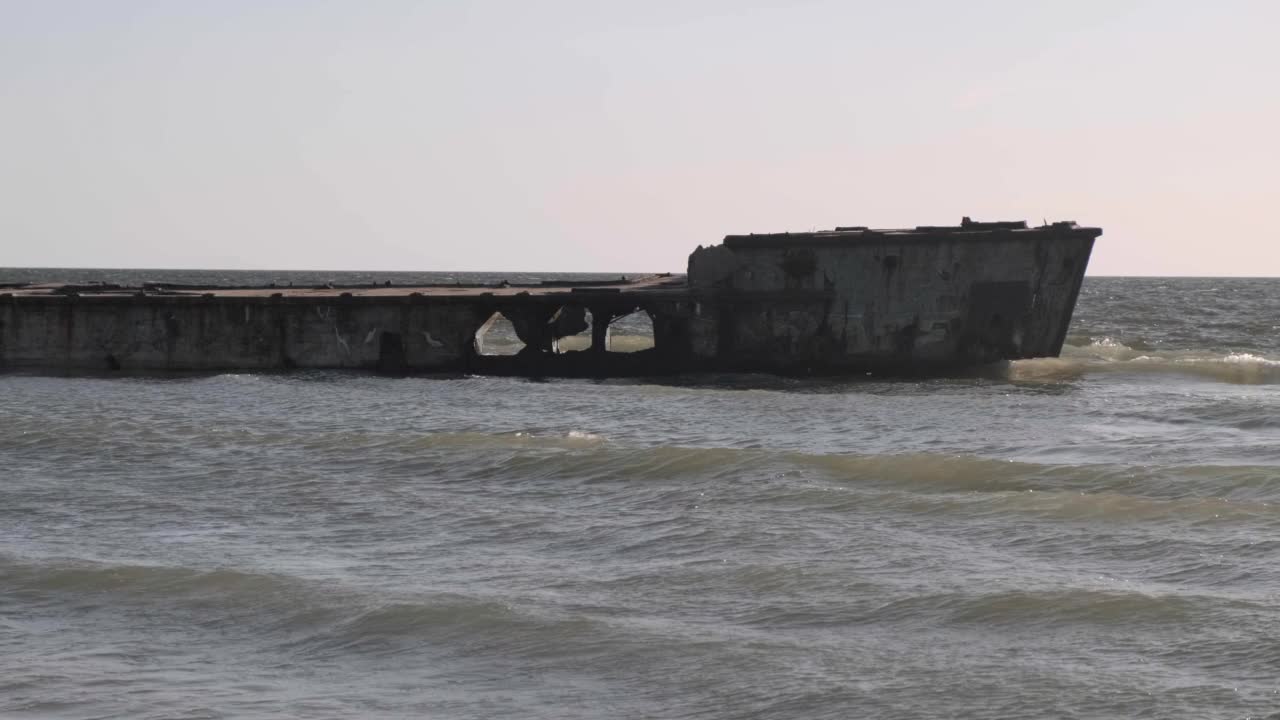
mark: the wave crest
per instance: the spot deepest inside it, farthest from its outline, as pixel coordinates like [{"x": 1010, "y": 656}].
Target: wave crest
[{"x": 1107, "y": 355}]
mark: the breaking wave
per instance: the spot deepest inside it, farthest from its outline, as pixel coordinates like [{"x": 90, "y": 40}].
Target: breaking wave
[{"x": 1111, "y": 356}]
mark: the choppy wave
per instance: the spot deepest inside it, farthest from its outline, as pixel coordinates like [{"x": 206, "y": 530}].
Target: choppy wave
[
  {"x": 1049, "y": 607},
  {"x": 303, "y": 618},
  {"x": 1102, "y": 530},
  {"x": 581, "y": 456},
  {"x": 81, "y": 577},
  {"x": 1107, "y": 355}
]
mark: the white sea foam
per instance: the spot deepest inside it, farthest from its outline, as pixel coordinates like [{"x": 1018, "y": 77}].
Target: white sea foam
[{"x": 1109, "y": 355}]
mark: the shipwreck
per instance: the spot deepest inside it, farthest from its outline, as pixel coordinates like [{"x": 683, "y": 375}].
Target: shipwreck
[{"x": 850, "y": 300}]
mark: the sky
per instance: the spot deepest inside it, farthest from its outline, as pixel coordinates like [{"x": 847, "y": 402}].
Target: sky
[{"x": 592, "y": 135}]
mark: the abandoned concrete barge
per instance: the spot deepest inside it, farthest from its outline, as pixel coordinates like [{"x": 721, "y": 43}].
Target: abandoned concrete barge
[{"x": 849, "y": 300}]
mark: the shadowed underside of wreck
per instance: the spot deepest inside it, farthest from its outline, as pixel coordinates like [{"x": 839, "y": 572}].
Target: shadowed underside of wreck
[{"x": 853, "y": 299}]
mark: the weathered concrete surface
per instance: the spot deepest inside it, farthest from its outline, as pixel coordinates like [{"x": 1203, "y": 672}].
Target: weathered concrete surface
[
  {"x": 392, "y": 329},
  {"x": 917, "y": 299},
  {"x": 842, "y": 301}
]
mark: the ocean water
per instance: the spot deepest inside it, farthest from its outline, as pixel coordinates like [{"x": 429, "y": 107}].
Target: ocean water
[{"x": 1093, "y": 536}]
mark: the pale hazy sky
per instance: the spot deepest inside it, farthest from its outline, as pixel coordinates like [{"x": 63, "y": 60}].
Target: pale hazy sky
[{"x": 596, "y": 135}]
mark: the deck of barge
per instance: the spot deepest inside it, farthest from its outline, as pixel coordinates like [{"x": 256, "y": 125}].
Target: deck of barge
[{"x": 664, "y": 284}]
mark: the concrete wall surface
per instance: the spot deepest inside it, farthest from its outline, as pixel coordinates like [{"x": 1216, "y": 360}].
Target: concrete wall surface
[
  {"x": 886, "y": 302},
  {"x": 217, "y": 333}
]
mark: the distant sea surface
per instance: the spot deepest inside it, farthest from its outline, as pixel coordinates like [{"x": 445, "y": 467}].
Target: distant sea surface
[{"x": 1091, "y": 536}]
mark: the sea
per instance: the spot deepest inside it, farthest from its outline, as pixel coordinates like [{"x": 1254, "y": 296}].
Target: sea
[{"x": 1090, "y": 536}]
